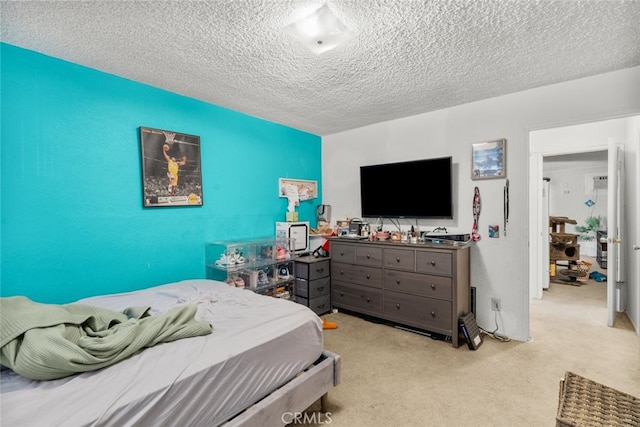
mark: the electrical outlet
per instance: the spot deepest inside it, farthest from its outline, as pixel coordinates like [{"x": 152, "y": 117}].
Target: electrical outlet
[{"x": 495, "y": 304}]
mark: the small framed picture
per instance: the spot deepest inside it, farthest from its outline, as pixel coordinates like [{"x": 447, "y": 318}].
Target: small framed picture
[
  {"x": 307, "y": 189},
  {"x": 489, "y": 159}
]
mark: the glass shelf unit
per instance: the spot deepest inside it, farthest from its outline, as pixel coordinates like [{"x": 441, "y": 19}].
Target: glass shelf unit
[{"x": 264, "y": 265}]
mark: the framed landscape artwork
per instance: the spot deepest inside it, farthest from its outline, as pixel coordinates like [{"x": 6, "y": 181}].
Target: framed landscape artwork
[{"x": 489, "y": 159}]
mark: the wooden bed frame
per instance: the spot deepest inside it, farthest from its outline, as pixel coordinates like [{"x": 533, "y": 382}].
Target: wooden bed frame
[{"x": 295, "y": 396}]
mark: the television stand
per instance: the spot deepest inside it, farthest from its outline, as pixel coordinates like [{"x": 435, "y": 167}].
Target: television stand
[{"x": 421, "y": 286}]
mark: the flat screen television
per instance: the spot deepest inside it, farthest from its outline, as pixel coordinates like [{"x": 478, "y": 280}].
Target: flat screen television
[{"x": 412, "y": 189}]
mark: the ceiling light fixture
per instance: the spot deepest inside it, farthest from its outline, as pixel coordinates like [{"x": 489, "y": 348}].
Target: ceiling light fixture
[{"x": 321, "y": 31}]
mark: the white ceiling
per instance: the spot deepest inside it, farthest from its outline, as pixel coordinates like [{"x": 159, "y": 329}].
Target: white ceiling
[{"x": 407, "y": 57}]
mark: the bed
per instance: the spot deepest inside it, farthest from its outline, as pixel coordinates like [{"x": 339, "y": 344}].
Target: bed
[{"x": 263, "y": 361}]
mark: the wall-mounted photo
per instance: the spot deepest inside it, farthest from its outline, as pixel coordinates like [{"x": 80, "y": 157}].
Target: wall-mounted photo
[
  {"x": 171, "y": 173},
  {"x": 307, "y": 189},
  {"x": 489, "y": 159}
]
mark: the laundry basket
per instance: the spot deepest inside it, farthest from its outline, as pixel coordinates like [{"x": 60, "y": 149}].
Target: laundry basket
[
  {"x": 585, "y": 403},
  {"x": 584, "y": 267}
]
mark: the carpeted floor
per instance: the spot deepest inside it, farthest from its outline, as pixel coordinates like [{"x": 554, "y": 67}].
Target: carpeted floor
[{"x": 392, "y": 377}]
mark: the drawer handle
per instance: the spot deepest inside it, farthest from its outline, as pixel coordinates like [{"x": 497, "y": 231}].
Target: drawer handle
[
  {"x": 368, "y": 277},
  {"x": 321, "y": 288},
  {"x": 368, "y": 299},
  {"x": 341, "y": 253},
  {"x": 368, "y": 256},
  {"x": 433, "y": 263},
  {"x": 398, "y": 281},
  {"x": 397, "y": 259},
  {"x": 433, "y": 314},
  {"x": 398, "y": 306},
  {"x": 320, "y": 270},
  {"x": 342, "y": 272},
  {"x": 433, "y": 286},
  {"x": 341, "y": 294}
]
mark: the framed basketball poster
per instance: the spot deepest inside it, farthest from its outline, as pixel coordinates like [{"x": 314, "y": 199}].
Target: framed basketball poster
[{"x": 171, "y": 173}]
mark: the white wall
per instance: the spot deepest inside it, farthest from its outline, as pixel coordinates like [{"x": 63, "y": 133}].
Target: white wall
[{"x": 499, "y": 267}]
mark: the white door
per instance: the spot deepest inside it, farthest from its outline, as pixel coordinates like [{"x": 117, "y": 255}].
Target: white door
[
  {"x": 546, "y": 278},
  {"x": 615, "y": 232},
  {"x": 634, "y": 222},
  {"x": 538, "y": 239}
]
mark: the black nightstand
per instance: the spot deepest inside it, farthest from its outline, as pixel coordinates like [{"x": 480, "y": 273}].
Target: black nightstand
[{"x": 313, "y": 283}]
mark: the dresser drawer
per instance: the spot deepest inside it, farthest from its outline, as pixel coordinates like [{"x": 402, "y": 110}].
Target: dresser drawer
[
  {"x": 342, "y": 252},
  {"x": 319, "y": 305},
  {"x": 434, "y": 262},
  {"x": 422, "y": 312},
  {"x": 312, "y": 270},
  {"x": 313, "y": 288},
  {"x": 357, "y": 274},
  {"x": 418, "y": 284},
  {"x": 369, "y": 255},
  {"x": 357, "y": 298},
  {"x": 401, "y": 259}
]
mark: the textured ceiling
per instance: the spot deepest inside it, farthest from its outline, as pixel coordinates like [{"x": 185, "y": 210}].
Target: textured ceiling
[{"x": 407, "y": 57}]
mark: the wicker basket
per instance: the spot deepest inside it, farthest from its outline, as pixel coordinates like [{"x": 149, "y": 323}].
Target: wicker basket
[
  {"x": 585, "y": 403},
  {"x": 583, "y": 266}
]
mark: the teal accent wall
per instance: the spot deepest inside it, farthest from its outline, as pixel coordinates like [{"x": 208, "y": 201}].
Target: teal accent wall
[{"x": 73, "y": 222}]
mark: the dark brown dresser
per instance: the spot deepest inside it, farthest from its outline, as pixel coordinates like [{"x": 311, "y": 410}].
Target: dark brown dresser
[{"x": 425, "y": 286}]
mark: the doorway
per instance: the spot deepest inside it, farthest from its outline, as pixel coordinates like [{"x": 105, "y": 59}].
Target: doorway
[
  {"x": 576, "y": 187},
  {"x": 562, "y": 143},
  {"x": 589, "y": 141}
]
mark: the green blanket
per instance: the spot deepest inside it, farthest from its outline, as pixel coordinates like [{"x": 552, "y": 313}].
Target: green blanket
[{"x": 48, "y": 341}]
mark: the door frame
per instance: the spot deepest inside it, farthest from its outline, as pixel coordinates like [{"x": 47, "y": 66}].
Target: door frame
[
  {"x": 616, "y": 232},
  {"x": 595, "y": 141},
  {"x": 536, "y": 232}
]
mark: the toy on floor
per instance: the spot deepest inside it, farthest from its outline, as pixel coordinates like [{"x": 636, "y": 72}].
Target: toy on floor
[
  {"x": 597, "y": 276},
  {"x": 328, "y": 325}
]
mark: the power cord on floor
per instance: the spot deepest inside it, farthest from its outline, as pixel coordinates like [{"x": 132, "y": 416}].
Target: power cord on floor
[{"x": 493, "y": 333}]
